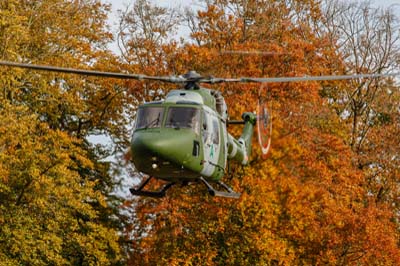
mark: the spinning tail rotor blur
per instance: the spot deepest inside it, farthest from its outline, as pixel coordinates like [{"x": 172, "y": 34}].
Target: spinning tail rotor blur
[{"x": 264, "y": 123}]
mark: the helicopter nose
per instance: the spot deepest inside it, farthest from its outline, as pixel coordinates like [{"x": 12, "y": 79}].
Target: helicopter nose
[
  {"x": 147, "y": 144},
  {"x": 153, "y": 151}
]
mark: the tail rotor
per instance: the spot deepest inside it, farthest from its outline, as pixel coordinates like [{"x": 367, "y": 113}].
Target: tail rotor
[{"x": 264, "y": 124}]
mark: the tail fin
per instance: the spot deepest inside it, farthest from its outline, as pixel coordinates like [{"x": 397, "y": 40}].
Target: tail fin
[{"x": 250, "y": 120}]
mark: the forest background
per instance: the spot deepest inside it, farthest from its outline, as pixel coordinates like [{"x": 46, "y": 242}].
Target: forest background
[{"x": 327, "y": 194}]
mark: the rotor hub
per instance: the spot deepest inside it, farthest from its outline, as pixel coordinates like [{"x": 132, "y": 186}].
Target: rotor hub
[{"x": 192, "y": 75}]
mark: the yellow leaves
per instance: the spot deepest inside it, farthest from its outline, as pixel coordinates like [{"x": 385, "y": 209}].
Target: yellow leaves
[
  {"x": 42, "y": 196},
  {"x": 95, "y": 244},
  {"x": 50, "y": 187},
  {"x": 11, "y": 28}
]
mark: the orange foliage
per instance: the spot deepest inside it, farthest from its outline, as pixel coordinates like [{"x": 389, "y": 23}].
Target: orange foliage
[{"x": 307, "y": 204}]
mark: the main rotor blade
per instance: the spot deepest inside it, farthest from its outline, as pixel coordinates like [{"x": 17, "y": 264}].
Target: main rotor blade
[
  {"x": 181, "y": 80},
  {"x": 299, "y": 79},
  {"x": 170, "y": 79}
]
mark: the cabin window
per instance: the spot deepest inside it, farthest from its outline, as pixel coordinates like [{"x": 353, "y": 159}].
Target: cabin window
[
  {"x": 215, "y": 131},
  {"x": 205, "y": 127},
  {"x": 183, "y": 117},
  {"x": 149, "y": 117}
]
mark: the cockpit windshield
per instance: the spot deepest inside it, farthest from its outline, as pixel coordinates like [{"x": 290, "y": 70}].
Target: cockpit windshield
[
  {"x": 149, "y": 117},
  {"x": 184, "y": 117}
]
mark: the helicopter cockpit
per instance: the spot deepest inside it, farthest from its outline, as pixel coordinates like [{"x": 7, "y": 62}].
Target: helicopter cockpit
[
  {"x": 176, "y": 117},
  {"x": 183, "y": 117},
  {"x": 149, "y": 117},
  {"x": 166, "y": 140}
]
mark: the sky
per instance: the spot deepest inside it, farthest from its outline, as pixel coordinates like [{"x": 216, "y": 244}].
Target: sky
[
  {"x": 121, "y": 5},
  {"x": 118, "y": 5}
]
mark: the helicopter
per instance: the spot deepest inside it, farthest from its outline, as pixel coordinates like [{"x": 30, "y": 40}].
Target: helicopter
[{"x": 183, "y": 138}]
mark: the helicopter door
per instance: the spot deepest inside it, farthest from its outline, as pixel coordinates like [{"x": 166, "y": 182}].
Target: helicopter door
[{"x": 211, "y": 139}]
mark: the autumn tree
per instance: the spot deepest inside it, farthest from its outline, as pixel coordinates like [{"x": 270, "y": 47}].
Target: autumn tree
[
  {"x": 308, "y": 204},
  {"x": 56, "y": 205},
  {"x": 369, "y": 42}
]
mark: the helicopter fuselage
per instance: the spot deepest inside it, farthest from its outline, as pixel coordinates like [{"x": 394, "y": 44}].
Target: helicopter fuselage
[{"x": 184, "y": 137}]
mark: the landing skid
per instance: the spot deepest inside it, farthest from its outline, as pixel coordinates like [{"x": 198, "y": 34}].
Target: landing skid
[
  {"x": 229, "y": 193},
  {"x": 140, "y": 191},
  {"x": 155, "y": 194}
]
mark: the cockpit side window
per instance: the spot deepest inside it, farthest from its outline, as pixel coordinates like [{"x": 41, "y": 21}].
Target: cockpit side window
[
  {"x": 149, "y": 117},
  {"x": 183, "y": 117}
]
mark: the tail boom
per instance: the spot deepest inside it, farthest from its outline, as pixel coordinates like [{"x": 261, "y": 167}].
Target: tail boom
[{"x": 240, "y": 149}]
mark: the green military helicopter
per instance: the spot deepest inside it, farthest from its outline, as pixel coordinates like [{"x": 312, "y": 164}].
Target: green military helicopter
[{"x": 184, "y": 138}]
